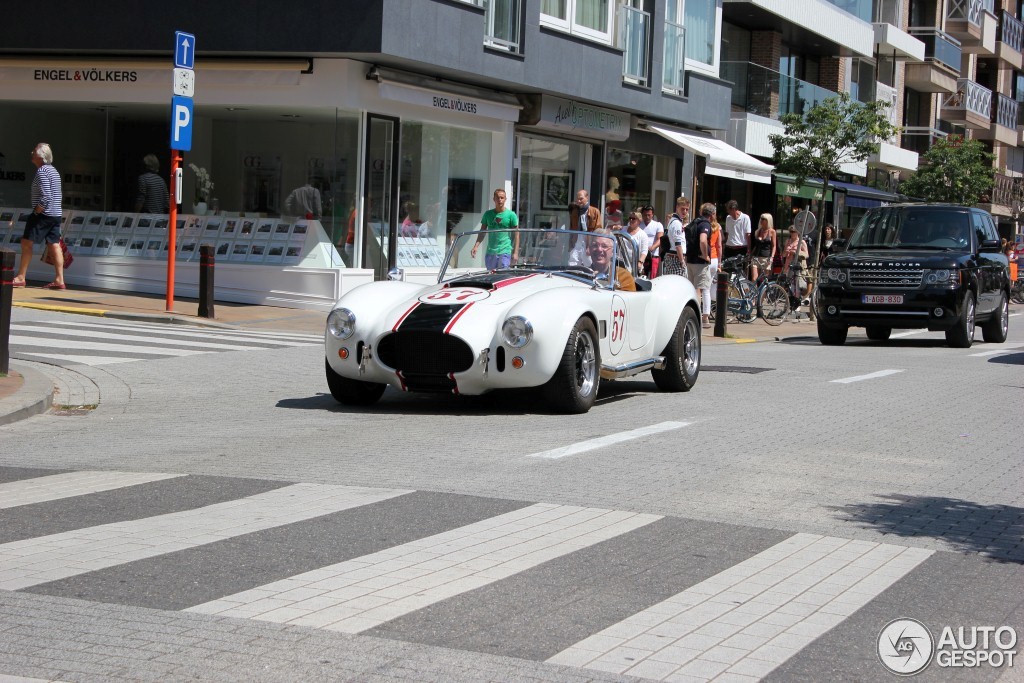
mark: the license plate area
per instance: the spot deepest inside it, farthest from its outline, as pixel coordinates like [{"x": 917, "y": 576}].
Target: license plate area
[{"x": 884, "y": 299}]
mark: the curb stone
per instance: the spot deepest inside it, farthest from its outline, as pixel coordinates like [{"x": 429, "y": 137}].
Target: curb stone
[{"x": 34, "y": 397}]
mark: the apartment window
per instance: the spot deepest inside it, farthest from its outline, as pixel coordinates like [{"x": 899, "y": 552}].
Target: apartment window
[
  {"x": 862, "y": 80},
  {"x": 586, "y": 18},
  {"x": 700, "y": 21}
]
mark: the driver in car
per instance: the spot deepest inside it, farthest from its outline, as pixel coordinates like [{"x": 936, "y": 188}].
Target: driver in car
[{"x": 601, "y": 248}]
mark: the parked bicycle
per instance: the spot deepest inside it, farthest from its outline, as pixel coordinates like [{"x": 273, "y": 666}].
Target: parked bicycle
[{"x": 742, "y": 297}]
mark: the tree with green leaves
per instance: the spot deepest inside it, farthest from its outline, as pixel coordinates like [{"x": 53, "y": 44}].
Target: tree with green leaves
[
  {"x": 836, "y": 131},
  {"x": 954, "y": 170}
]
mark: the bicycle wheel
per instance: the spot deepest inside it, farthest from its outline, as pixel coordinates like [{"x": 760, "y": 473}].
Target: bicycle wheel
[
  {"x": 773, "y": 303},
  {"x": 746, "y": 310}
]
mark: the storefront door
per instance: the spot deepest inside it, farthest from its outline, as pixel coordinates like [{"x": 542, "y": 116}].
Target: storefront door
[{"x": 381, "y": 183}]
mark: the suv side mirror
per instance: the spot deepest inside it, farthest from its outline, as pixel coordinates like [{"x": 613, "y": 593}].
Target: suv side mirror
[{"x": 990, "y": 247}]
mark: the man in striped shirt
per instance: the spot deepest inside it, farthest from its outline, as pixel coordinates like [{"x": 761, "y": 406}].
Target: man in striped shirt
[
  {"x": 43, "y": 225},
  {"x": 153, "y": 196}
]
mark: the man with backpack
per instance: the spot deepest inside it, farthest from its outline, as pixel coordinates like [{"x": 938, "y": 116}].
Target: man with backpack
[{"x": 698, "y": 260}]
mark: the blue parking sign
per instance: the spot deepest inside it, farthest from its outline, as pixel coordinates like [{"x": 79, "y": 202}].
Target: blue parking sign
[{"x": 181, "y": 123}]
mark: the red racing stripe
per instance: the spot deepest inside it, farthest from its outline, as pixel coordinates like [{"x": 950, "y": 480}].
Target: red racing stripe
[
  {"x": 404, "y": 316},
  {"x": 448, "y": 328},
  {"x": 513, "y": 280}
]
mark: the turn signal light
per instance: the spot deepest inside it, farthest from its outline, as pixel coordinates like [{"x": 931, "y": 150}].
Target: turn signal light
[
  {"x": 518, "y": 362},
  {"x": 343, "y": 353}
]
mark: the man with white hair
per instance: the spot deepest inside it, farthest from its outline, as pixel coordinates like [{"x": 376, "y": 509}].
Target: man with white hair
[{"x": 43, "y": 226}]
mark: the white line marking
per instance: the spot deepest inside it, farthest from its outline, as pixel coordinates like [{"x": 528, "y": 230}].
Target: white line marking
[
  {"x": 907, "y": 333},
  {"x": 1003, "y": 349},
  {"x": 367, "y": 591},
  {"x": 115, "y": 336},
  {"x": 601, "y": 442},
  {"x": 179, "y": 331},
  {"x": 750, "y": 618},
  {"x": 68, "y": 484},
  {"x": 42, "y": 559},
  {"x": 860, "y": 378},
  {"x": 50, "y": 342},
  {"x": 92, "y": 361}
]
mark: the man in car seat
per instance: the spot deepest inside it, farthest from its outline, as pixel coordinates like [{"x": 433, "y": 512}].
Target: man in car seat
[{"x": 601, "y": 247}]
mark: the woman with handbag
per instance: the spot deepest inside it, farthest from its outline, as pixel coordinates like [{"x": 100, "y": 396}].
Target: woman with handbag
[
  {"x": 43, "y": 225},
  {"x": 795, "y": 253}
]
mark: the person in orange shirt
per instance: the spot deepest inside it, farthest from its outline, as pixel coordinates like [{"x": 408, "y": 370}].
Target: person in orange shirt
[{"x": 715, "y": 245}]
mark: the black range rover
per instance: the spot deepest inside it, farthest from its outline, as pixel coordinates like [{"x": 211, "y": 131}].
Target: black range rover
[{"x": 935, "y": 266}]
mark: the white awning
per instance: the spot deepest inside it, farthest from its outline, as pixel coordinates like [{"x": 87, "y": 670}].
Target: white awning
[{"x": 722, "y": 158}]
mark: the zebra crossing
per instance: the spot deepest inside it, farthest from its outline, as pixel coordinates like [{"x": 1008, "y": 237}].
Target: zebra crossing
[
  {"x": 601, "y": 590},
  {"x": 95, "y": 343}
]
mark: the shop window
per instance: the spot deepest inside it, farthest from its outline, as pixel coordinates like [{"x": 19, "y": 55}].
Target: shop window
[
  {"x": 587, "y": 18},
  {"x": 551, "y": 171}
]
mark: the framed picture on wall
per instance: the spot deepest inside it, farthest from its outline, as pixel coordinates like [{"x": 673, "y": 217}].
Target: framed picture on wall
[
  {"x": 556, "y": 189},
  {"x": 544, "y": 221}
]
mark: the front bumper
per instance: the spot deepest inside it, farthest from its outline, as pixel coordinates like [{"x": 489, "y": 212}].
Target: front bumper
[{"x": 934, "y": 308}]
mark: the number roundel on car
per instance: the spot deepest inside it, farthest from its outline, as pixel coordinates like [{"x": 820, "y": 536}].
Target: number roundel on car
[
  {"x": 617, "y": 325},
  {"x": 454, "y": 295}
]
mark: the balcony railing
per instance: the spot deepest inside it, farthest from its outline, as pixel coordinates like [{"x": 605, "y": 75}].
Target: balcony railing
[
  {"x": 634, "y": 41},
  {"x": 939, "y": 46},
  {"x": 920, "y": 138},
  {"x": 1020, "y": 114},
  {"x": 1004, "y": 189},
  {"x": 858, "y": 8},
  {"x": 768, "y": 93},
  {"x": 1011, "y": 31},
  {"x": 1005, "y": 111},
  {"x": 674, "y": 58},
  {"x": 503, "y": 20},
  {"x": 969, "y": 10},
  {"x": 971, "y": 97}
]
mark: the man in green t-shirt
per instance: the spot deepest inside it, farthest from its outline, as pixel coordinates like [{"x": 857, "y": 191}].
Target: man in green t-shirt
[{"x": 500, "y": 249}]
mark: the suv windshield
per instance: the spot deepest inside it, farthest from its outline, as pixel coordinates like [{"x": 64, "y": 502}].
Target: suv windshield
[
  {"x": 582, "y": 255},
  {"x": 913, "y": 228}
]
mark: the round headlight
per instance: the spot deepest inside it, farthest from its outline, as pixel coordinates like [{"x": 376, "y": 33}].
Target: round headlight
[
  {"x": 341, "y": 323},
  {"x": 833, "y": 274},
  {"x": 517, "y": 332}
]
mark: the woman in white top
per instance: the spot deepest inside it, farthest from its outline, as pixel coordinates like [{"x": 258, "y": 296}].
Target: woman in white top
[
  {"x": 795, "y": 254},
  {"x": 635, "y": 227}
]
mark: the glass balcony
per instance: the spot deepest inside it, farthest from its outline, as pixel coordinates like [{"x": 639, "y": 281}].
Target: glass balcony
[
  {"x": 888, "y": 12},
  {"x": 674, "y": 58},
  {"x": 503, "y": 20},
  {"x": 920, "y": 138},
  {"x": 762, "y": 91},
  {"x": 858, "y": 8},
  {"x": 938, "y": 46},
  {"x": 1011, "y": 31},
  {"x": 634, "y": 41}
]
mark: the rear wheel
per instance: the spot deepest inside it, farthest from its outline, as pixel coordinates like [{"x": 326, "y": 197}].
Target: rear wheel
[
  {"x": 682, "y": 355},
  {"x": 832, "y": 336},
  {"x": 352, "y": 392},
  {"x": 877, "y": 333},
  {"x": 994, "y": 331},
  {"x": 747, "y": 312},
  {"x": 773, "y": 304},
  {"x": 573, "y": 387},
  {"x": 961, "y": 336}
]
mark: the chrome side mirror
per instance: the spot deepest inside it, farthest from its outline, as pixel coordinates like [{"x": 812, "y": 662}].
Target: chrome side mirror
[{"x": 396, "y": 275}]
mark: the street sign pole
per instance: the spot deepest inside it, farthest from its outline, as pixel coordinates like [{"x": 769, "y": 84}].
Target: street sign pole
[{"x": 183, "y": 89}]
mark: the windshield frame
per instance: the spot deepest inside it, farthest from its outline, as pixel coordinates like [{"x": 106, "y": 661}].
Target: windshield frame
[{"x": 532, "y": 248}]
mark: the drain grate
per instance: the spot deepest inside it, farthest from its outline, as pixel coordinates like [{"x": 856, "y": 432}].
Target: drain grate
[
  {"x": 741, "y": 369},
  {"x": 67, "y": 411}
]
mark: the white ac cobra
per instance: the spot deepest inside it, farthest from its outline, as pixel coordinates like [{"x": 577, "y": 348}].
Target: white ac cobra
[{"x": 555, "y": 320}]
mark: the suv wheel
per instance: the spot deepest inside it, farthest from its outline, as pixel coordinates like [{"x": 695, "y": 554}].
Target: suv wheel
[
  {"x": 832, "y": 336},
  {"x": 994, "y": 331},
  {"x": 961, "y": 336},
  {"x": 876, "y": 333}
]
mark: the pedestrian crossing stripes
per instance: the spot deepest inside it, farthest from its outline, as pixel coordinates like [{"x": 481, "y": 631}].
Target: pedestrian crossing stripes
[
  {"x": 104, "y": 343},
  {"x": 603, "y": 590}
]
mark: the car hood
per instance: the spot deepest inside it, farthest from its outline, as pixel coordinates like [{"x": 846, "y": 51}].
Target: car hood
[{"x": 896, "y": 258}]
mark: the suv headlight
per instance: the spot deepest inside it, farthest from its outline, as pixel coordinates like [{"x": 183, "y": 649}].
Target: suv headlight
[
  {"x": 341, "y": 323},
  {"x": 835, "y": 275},
  {"x": 517, "y": 332},
  {"x": 943, "y": 276}
]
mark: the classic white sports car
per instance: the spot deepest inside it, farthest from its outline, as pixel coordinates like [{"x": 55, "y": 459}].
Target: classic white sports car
[{"x": 565, "y": 315}]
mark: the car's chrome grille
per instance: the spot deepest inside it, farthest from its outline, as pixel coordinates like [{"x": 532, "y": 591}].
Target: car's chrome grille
[
  {"x": 423, "y": 352},
  {"x": 886, "y": 278}
]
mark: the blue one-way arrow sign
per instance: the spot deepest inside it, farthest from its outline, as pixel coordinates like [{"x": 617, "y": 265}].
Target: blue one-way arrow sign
[{"x": 184, "y": 50}]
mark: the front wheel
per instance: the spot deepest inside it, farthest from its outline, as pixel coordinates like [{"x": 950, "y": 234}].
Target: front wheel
[
  {"x": 877, "y": 333},
  {"x": 573, "y": 387},
  {"x": 773, "y": 303},
  {"x": 682, "y": 355},
  {"x": 961, "y": 336},
  {"x": 832, "y": 336},
  {"x": 994, "y": 331},
  {"x": 352, "y": 392}
]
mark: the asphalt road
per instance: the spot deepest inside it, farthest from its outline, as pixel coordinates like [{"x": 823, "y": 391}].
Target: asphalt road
[{"x": 892, "y": 469}]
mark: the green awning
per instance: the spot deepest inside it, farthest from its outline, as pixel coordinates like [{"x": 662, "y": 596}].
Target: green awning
[{"x": 811, "y": 189}]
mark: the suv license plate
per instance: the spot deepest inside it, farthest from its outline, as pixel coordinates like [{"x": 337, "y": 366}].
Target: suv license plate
[{"x": 881, "y": 298}]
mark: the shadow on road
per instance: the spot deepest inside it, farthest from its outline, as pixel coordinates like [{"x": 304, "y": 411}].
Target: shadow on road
[
  {"x": 992, "y": 531},
  {"x": 1009, "y": 359}
]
